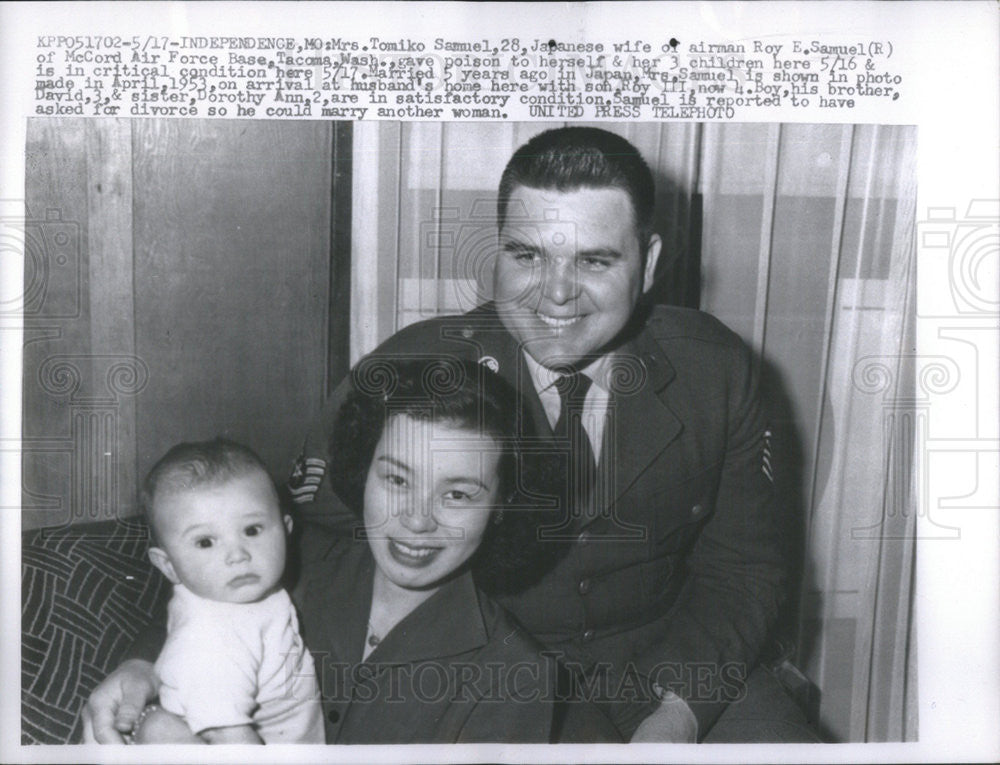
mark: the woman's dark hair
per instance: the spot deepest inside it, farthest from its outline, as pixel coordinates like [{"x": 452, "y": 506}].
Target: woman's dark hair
[{"x": 471, "y": 397}]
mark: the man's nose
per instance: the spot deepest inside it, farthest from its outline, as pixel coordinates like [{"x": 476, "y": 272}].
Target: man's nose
[
  {"x": 560, "y": 284},
  {"x": 237, "y": 553},
  {"x": 418, "y": 518}
]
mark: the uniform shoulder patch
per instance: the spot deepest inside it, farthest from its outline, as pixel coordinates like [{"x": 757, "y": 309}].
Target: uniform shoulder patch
[{"x": 307, "y": 474}]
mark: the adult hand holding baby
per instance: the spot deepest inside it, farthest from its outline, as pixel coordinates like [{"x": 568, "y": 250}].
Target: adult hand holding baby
[{"x": 115, "y": 705}]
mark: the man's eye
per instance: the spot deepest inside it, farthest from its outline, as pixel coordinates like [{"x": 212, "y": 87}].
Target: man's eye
[
  {"x": 253, "y": 530},
  {"x": 203, "y": 542},
  {"x": 522, "y": 255},
  {"x": 595, "y": 264}
]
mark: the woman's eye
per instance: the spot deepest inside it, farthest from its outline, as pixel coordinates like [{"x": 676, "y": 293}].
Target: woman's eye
[
  {"x": 395, "y": 480},
  {"x": 203, "y": 542},
  {"x": 457, "y": 495},
  {"x": 254, "y": 530}
]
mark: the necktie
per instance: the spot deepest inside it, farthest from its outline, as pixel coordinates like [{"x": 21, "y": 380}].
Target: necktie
[{"x": 573, "y": 389}]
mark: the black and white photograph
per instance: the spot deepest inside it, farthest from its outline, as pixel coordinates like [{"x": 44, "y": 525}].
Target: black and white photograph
[{"x": 534, "y": 428}]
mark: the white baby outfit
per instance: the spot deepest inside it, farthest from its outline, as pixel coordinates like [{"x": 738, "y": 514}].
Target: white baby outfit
[{"x": 230, "y": 664}]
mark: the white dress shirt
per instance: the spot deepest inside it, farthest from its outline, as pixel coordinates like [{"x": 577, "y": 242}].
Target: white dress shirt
[{"x": 595, "y": 405}]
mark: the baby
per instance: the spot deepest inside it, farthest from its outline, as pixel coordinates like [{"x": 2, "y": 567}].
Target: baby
[{"x": 234, "y": 665}]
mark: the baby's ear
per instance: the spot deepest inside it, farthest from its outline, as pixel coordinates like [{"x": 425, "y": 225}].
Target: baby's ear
[
  {"x": 161, "y": 560},
  {"x": 288, "y": 523}
]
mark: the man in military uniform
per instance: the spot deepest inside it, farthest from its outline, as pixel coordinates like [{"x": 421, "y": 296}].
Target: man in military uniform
[{"x": 670, "y": 572}]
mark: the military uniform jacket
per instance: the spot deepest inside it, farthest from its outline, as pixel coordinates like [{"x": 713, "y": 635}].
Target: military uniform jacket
[{"x": 675, "y": 575}]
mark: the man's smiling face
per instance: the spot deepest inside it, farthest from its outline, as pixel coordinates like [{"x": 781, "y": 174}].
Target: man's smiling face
[{"x": 569, "y": 272}]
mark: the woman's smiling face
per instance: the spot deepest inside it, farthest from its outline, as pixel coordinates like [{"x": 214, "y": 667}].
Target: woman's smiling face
[{"x": 430, "y": 489}]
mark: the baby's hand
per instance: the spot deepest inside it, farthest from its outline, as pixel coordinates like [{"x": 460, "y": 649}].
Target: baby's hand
[{"x": 157, "y": 726}]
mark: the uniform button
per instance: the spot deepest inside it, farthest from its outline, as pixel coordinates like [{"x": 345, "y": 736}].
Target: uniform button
[
  {"x": 333, "y": 716},
  {"x": 584, "y": 537},
  {"x": 584, "y": 587},
  {"x": 696, "y": 510},
  {"x": 588, "y": 636}
]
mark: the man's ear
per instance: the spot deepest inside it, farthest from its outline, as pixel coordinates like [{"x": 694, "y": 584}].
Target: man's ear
[
  {"x": 288, "y": 523},
  {"x": 161, "y": 560},
  {"x": 652, "y": 257}
]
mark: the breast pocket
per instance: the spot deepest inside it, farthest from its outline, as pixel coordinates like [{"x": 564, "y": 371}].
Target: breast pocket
[{"x": 680, "y": 511}]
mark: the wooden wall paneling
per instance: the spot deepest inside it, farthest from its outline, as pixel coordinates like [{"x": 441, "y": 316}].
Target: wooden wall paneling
[
  {"x": 232, "y": 229},
  {"x": 56, "y": 317},
  {"x": 341, "y": 206},
  {"x": 105, "y": 431}
]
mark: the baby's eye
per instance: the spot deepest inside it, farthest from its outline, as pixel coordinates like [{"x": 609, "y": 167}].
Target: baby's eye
[
  {"x": 253, "y": 530},
  {"x": 203, "y": 542}
]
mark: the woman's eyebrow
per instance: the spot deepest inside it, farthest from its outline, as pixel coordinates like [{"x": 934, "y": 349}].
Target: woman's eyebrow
[
  {"x": 393, "y": 461},
  {"x": 466, "y": 480}
]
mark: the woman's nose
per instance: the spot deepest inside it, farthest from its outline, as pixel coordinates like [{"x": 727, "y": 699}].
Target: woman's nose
[{"x": 418, "y": 519}]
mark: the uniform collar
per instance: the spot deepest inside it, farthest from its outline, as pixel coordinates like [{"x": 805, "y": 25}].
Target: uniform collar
[
  {"x": 448, "y": 623},
  {"x": 339, "y": 592},
  {"x": 544, "y": 378}
]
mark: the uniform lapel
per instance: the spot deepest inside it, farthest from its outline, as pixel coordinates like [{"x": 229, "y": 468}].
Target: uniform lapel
[{"x": 640, "y": 422}]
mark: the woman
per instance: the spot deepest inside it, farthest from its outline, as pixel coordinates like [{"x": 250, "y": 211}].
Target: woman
[
  {"x": 417, "y": 653},
  {"x": 407, "y": 648}
]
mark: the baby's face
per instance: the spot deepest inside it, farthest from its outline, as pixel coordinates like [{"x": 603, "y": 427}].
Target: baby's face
[{"x": 223, "y": 541}]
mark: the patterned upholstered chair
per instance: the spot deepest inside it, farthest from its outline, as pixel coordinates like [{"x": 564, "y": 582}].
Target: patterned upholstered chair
[{"x": 86, "y": 592}]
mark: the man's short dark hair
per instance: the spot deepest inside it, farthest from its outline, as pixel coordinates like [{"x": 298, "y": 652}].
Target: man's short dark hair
[
  {"x": 572, "y": 158},
  {"x": 470, "y": 396},
  {"x": 192, "y": 464}
]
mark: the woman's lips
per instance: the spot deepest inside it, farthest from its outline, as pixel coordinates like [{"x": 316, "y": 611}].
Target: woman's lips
[{"x": 415, "y": 556}]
